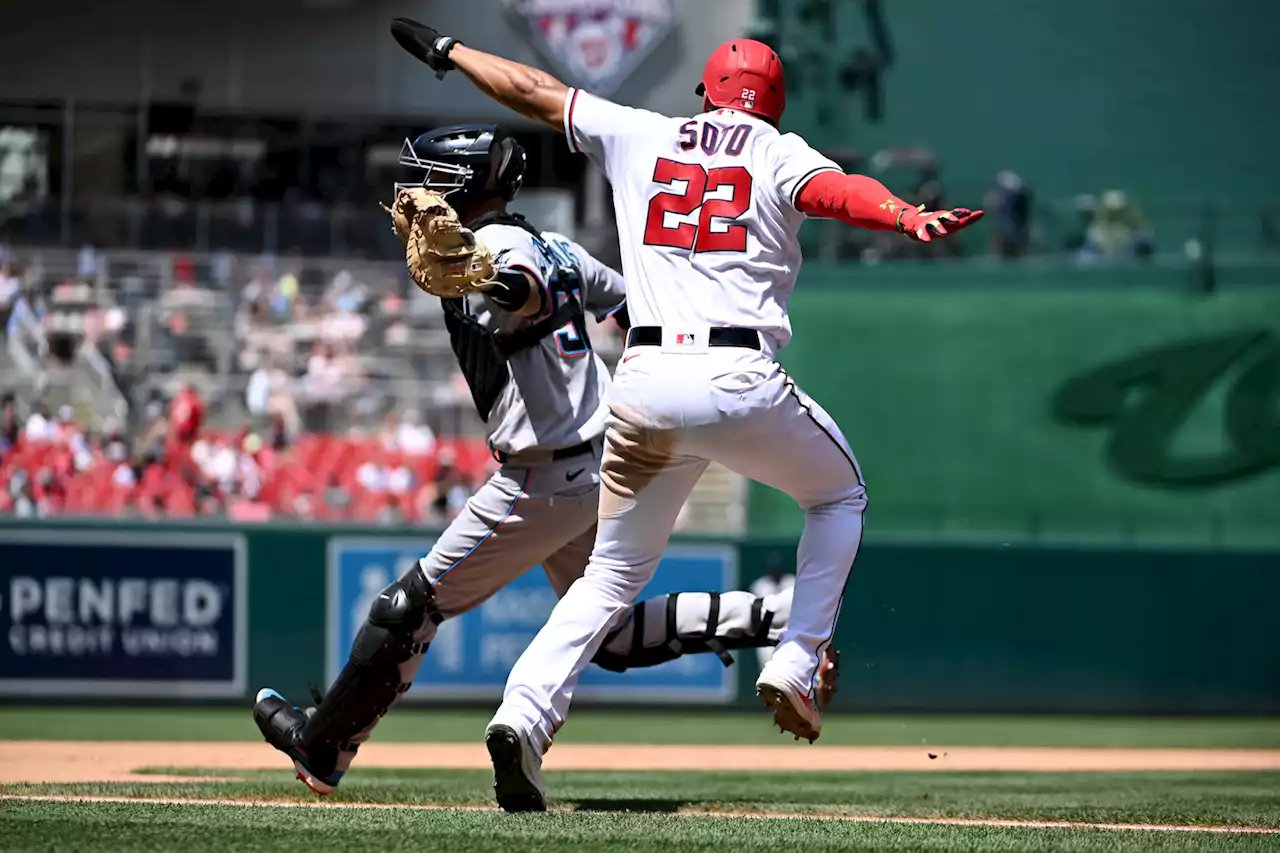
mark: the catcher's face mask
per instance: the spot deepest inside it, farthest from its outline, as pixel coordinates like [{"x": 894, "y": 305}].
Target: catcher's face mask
[{"x": 443, "y": 178}]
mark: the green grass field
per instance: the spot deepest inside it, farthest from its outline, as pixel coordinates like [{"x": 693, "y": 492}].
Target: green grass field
[
  {"x": 595, "y": 811},
  {"x": 674, "y": 727}
]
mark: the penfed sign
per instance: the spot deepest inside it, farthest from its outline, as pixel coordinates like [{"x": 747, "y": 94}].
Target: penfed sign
[{"x": 122, "y": 614}]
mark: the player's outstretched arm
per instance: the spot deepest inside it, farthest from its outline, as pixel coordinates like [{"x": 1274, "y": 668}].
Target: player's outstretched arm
[
  {"x": 867, "y": 203},
  {"x": 529, "y": 91}
]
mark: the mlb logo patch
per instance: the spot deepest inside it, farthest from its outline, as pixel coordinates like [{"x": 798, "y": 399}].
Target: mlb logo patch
[
  {"x": 684, "y": 340},
  {"x": 595, "y": 44}
]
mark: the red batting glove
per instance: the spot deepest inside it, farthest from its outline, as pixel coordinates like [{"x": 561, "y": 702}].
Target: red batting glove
[{"x": 923, "y": 225}]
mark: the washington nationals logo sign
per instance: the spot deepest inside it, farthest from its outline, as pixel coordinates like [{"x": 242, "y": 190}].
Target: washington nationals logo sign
[
  {"x": 1144, "y": 400},
  {"x": 595, "y": 44}
]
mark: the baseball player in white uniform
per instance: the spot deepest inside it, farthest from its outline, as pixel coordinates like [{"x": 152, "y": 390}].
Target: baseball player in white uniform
[
  {"x": 708, "y": 209},
  {"x": 523, "y": 348}
]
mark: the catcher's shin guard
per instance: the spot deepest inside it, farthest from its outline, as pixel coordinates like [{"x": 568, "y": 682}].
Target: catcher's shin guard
[
  {"x": 385, "y": 655},
  {"x": 684, "y": 623}
]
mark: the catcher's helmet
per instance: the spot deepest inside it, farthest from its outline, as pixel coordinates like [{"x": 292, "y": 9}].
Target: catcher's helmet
[
  {"x": 466, "y": 162},
  {"x": 745, "y": 75}
]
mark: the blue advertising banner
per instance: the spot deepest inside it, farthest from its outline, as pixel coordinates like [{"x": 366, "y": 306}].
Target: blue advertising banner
[
  {"x": 123, "y": 614},
  {"x": 473, "y": 653}
]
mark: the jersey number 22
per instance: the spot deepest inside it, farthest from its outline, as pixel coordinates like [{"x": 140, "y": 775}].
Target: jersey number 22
[{"x": 699, "y": 183}]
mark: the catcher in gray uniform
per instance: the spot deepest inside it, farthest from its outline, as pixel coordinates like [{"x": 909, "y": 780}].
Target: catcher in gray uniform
[{"x": 522, "y": 345}]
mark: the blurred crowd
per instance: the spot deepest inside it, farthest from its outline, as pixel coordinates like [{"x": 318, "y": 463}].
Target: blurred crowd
[
  {"x": 1109, "y": 227},
  {"x": 1089, "y": 229},
  {"x": 252, "y": 388},
  {"x": 55, "y": 464}
]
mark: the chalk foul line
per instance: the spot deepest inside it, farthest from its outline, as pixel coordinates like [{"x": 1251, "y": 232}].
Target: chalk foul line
[{"x": 999, "y": 823}]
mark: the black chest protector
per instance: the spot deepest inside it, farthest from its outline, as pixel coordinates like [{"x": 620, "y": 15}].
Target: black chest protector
[{"x": 482, "y": 354}]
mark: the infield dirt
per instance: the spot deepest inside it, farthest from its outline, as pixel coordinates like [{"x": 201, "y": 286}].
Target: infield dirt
[{"x": 118, "y": 761}]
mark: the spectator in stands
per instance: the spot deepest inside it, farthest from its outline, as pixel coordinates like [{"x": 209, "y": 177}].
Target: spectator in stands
[
  {"x": 256, "y": 289},
  {"x": 406, "y": 433},
  {"x": 343, "y": 294},
  {"x": 269, "y": 395},
  {"x": 65, "y": 427},
  {"x": 40, "y": 427},
  {"x": 372, "y": 476},
  {"x": 322, "y": 385},
  {"x": 81, "y": 454},
  {"x": 155, "y": 431},
  {"x": 251, "y": 467},
  {"x": 342, "y": 327},
  {"x": 21, "y": 499},
  {"x": 1009, "y": 202},
  {"x": 113, "y": 444},
  {"x": 10, "y": 422},
  {"x": 1118, "y": 231},
  {"x": 217, "y": 463},
  {"x": 303, "y": 507},
  {"x": 400, "y": 480},
  {"x": 186, "y": 310},
  {"x": 336, "y": 496},
  {"x": 390, "y": 513},
  {"x": 186, "y": 415},
  {"x": 284, "y": 297},
  {"x": 184, "y": 270},
  {"x": 28, "y": 310},
  {"x": 452, "y": 488},
  {"x": 222, "y": 269},
  {"x": 208, "y": 501},
  {"x": 88, "y": 265},
  {"x": 10, "y": 285}
]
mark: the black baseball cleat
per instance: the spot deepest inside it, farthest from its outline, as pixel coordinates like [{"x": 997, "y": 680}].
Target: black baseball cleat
[
  {"x": 517, "y": 770},
  {"x": 281, "y": 725}
]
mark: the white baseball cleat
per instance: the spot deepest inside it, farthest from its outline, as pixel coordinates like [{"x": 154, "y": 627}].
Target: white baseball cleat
[
  {"x": 517, "y": 770},
  {"x": 793, "y": 711}
]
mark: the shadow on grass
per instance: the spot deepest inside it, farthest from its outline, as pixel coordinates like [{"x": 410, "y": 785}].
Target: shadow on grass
[{"x": 650, "y": 805}]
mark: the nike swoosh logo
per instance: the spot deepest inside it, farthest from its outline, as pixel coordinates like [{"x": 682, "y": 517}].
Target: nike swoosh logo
[
  {"x": 574, "y": 475},
  {"x": 627, "y": 358}
]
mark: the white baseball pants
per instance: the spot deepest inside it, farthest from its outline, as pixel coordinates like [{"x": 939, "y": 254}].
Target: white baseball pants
[{"x": 673, "y": 409}]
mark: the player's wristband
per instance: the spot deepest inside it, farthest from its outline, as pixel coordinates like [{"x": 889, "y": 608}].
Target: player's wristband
[
  {"x": 901, "y": 213},
  {"x": 443, "y": 46}
]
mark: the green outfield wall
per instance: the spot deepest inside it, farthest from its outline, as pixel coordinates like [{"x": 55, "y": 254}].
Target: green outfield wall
[
  {"x": 1050, "y": 404},
  {"x": 1163, "y": 98},
  {"x": 209, "y": 613}
]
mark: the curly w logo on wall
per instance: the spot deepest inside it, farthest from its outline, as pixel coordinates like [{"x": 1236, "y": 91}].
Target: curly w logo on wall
[{"x": 1146, "y": 398}]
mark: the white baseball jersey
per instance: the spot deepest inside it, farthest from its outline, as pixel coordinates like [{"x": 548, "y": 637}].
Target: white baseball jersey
[
  {"x": 706, "y": 211},
  {"x": 557, "y": 394}
]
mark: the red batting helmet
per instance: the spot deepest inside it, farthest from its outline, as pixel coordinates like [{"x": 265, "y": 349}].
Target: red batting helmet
[{"x": 745, "y": 75}]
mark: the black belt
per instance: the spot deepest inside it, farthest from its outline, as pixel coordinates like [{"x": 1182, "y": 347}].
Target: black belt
[
  {"x": 556, "y": 455},
  {"x": 723, "y": 336}
]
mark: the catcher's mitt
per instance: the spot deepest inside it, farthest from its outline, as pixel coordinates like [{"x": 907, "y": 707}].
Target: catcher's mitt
[{"x": 444, "y": 258}]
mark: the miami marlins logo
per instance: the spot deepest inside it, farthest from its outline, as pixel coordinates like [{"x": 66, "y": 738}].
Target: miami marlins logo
[{"x": 595, "y": 44}]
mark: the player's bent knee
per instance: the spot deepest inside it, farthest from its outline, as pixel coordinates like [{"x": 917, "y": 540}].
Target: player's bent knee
[
  {"x": 395, "y": 617},
  {"x": 852, "y": 499}
]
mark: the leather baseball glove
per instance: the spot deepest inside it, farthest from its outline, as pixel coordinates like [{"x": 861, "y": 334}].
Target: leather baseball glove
[{"x": 444, "y": 258}]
